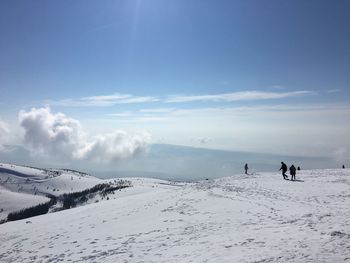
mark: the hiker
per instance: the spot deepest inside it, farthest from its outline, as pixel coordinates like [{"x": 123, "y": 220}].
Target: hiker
[
  {"x": 246, "y": 168},
  {"x": 343, "y": 166},
  {"x": 284, "y": 169},
  {"x": 298, "y": 168},
  {"x": 292, "y": 171}
]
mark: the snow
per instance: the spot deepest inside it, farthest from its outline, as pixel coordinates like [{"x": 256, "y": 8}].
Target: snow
[
  {"x": 13, "y": 201},
  {"x": 45, "y": 181},
  {"x": 259, "y": 218},
  {"x": 22, "y": 187}
]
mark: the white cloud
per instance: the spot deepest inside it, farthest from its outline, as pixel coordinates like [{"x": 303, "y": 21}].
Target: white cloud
[
  {"x": 333, "y": 91},
  {"x": 103, "y": 101},
  {"x": 158, "y": 110},
  {"x": 113, "y": 146},
  {"x": 49, "y": 133},
  {"x": 166, "y": 113},
  {"x": 123, "y": 114},
  {"x": 143, "y": 115},
  {"x": 116, "y": 98},
  {"x": 237, "y": 96},
  {"x": 58, "y": 135}
]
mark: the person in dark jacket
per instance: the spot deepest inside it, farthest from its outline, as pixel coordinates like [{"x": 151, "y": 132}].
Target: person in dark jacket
[
  {"x": 343, "y": 166},
  {"x": 292, "y": 171},
  {"x": 246, "y": 168},
  {"x": 284, "y": 169},
  {"x": 298, "y": 168}
]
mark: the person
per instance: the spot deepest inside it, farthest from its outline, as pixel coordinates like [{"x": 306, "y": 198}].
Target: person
[
  {"x": 343, "y": 166},
  {"x": 246, "y": 168},
  {"x": 292, "y": 171},
  {"x": 284, "y": 169},
  {"x": 298, "y": 168}
]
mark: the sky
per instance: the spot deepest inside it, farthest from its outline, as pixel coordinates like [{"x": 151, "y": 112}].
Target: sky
[{"x": 102, "y": 80}]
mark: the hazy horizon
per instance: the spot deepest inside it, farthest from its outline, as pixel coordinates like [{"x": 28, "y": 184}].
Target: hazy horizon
[{"x": 174, "y": 162}]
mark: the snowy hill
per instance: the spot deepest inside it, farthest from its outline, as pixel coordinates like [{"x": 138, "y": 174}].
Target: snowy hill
[
  {"x": 260, "y": 218},
  {"x": 22, "y": 187},
  {"x": 46, "y": 181}
]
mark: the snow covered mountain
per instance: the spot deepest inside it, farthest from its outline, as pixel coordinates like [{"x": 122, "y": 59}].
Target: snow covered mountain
[
  {"x": 23, "y": 187},
  {"x": 260, "y": 218}
]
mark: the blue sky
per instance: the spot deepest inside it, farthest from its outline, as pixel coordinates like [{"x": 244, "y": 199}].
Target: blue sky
[{"x": 262, "y": 76}]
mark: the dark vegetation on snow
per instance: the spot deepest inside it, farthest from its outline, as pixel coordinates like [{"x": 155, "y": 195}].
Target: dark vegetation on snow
[
  {"x": 72, "y": 199},
  {"x": 39, "y": 209},
  {"x": 67, "y": 201}
]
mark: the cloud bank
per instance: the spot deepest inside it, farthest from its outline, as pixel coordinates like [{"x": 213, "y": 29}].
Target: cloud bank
[
  {"x": 46, "y": 133},
  {"x": 113, "y": 146},
  {"x": 103, "y": 100},
  {"x": 117, "y": 98},
  {"x": 237, "y": 96}
]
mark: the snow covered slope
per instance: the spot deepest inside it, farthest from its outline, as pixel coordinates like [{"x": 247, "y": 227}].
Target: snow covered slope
[
  {"x": 22, "y": 187},
  {"x": 259, "y": 218}
]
